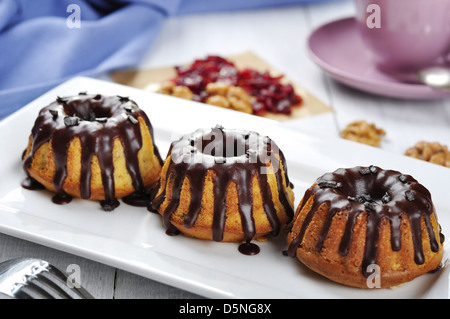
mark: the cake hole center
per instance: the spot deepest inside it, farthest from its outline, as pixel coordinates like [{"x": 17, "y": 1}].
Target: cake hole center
[
  {"x": 87, "y": 111},
  {"x": 377, "y": 197}
]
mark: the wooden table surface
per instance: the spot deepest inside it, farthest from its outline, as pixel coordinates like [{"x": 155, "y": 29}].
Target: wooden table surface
[{"x": 278, "y": 36}]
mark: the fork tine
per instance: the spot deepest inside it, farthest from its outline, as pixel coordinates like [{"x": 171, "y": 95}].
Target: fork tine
[
  {"x": 37, "y": 290},
  {"x": 62, "y": 277},
  {"x": 20, "y": 294},
  {"x": 45, "y": 283}
]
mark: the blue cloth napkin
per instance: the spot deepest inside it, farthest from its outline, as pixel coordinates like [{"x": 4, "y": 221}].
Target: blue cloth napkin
[{"x": 40, "y": 47}]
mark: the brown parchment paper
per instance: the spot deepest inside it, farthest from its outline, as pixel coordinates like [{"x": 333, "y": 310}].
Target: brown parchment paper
[{"x": 151, "y": 79}]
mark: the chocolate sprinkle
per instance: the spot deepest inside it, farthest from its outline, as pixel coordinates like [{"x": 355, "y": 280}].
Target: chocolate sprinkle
[
  {"x": 367, "y": 170},
  {"x": 409, "y": 195},
  {"x": 54, "y": 114},
  {"x": 364, "y": 171},
  {"x": 386, "y": 198},
  {"x": 133, "y": 119},
  {"x": 123, "y": 98},
  {"x": 364, "y": 198},
  {"x": 71, "y": 121},
  {"x": 329, "y": 184},
  {"x": 62, "y": 100}
]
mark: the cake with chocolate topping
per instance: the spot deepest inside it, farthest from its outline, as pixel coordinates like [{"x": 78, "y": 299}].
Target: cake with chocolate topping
[
  {"x": 367, "y": 227},
  {"x": 225, "y": 185},
  {"x": 93, "y": 147}
]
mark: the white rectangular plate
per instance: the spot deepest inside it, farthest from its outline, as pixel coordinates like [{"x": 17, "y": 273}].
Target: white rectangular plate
[{"x": 134, "y": 239}]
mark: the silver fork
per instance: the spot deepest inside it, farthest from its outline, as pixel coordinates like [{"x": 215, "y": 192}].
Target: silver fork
[{"x": 31, "y": 278}]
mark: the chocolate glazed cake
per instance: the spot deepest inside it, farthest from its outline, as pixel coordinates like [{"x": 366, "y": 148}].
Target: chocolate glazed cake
[
  {"x": 355, "y": 218},
  {"x": 225, "y": 185},
  {"x": 93, "y": 147}
]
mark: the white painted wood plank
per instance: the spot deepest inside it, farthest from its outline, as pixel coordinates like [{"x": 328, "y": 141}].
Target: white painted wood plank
[{"x": 131, "y": 286}]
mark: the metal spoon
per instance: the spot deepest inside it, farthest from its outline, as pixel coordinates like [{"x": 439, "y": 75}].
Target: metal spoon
[{"x": 436, "y": 77}]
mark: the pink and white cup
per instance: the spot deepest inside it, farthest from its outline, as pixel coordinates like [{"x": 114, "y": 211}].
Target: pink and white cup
[{"x": 405, "y": 36}]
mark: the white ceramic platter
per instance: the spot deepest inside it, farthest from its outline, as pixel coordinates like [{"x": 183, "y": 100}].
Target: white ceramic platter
[{"x": 134, "y": 239}]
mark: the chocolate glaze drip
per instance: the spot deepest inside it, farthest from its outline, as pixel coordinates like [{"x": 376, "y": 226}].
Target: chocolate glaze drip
[
  {"x": 380, "y": 194},
  {"x": 31, "y": 184},
  {"x": 97, "y": 121},
  {"x": 234, "y": 156}
]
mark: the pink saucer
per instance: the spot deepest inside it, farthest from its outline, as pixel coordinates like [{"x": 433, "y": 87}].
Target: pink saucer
[{"x": 338, "y": 49}]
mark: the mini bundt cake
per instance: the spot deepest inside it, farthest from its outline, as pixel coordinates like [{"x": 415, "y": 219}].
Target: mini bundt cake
[
  {"x": 367, "y": 227},
  {"x": 92, "y": 147},
  {"x": 225, "y": 185}
]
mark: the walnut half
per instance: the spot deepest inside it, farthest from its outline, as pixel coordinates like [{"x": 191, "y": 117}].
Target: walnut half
[
  {"x": 229, "y": 96},
  {"x": 432, "y": 152},
  {"x": 180, "y": 91},
  {"x": 363, "y": 132}
]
